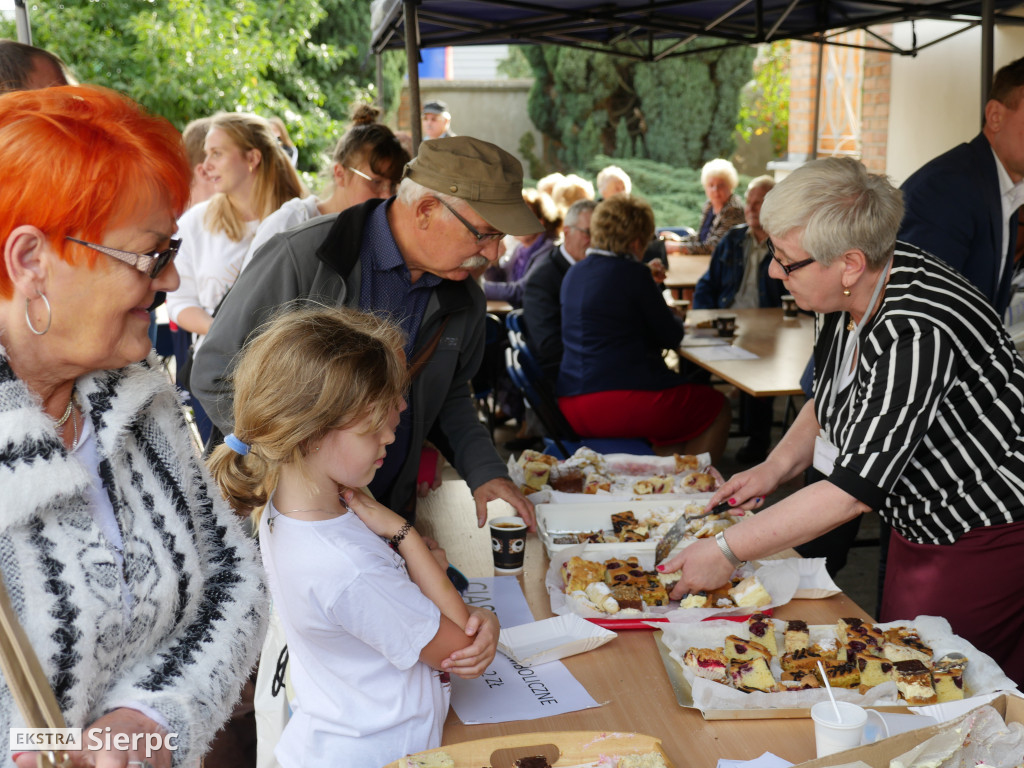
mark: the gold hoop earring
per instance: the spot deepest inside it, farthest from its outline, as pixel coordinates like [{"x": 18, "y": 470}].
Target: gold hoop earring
[
  {"x": 846, "y": 291},
  {"x": 49, "y": 314}
]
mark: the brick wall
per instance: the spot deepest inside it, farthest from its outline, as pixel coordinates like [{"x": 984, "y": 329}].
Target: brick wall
[
  {"x": 875, "y": 108},
  {"x": 803, "y": 83}
]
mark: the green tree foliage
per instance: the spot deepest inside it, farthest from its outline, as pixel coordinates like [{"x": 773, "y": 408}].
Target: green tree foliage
[
  {"x": 764, "y": 104},
  {"x": 183, "y": 59},
  {"x": 681, "y": 110}
]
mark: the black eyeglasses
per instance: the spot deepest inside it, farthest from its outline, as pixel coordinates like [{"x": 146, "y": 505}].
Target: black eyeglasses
[
  {"x": 151, "y": 264},
  {"x": 790, "y": 268},
  {"x": 485, "y": 237}
]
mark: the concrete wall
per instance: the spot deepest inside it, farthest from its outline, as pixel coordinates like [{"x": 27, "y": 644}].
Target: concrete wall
[
  {"x": 492, "y": 110},
  {"x": 935, "y": 100}
]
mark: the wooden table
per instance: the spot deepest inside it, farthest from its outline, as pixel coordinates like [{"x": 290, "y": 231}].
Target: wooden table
[
  {"x": 499, "y": 308},
  {"x": 684, "y": 270},
  {"x": 627, "y": 673},
  {"x": 783, "y": 346}
]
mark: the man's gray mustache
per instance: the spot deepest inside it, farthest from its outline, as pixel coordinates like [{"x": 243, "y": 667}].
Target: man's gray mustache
[{"x": 474, "y": 262}]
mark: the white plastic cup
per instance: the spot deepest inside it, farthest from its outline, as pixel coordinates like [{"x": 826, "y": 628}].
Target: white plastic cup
[
  {"x": 831, "y": 736},
  {"x": 882, "y": 725}
]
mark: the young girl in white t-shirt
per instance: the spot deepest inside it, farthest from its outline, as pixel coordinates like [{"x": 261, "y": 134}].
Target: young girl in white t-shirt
[{"x": 373, "y": 624}]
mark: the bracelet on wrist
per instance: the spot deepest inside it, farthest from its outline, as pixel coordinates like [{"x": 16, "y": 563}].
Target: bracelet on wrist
[
  {"x": 723, "y": 545},
  {"x": 395, "y": 540}
]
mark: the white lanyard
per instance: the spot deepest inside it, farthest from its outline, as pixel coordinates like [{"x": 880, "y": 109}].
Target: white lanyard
[{"x": 825, "y": 452}]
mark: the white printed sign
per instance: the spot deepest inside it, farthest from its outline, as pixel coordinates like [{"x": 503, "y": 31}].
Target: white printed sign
[{"x": 509, "y": 691}]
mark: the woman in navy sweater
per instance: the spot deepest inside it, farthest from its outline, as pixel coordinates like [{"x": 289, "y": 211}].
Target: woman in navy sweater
[{"x": 613, "y": 381}]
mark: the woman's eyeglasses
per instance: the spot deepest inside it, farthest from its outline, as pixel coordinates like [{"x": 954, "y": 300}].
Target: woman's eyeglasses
[
  {"x": 379, "y": 186},
  {"x": 787, "y": 268},
  {"x": 485, "y": 237},
  {"x": 151, "y": 264}
]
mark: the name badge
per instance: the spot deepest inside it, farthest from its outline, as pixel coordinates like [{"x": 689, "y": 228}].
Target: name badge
[{"x": 825, "y": 455}]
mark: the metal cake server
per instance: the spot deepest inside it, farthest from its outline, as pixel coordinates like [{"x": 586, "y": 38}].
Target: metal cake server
[{"x": 678, "y": 530}]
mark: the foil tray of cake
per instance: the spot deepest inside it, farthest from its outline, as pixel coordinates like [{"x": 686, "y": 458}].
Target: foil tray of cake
[
  {"x": 636, "y": 525},
  {"x": 611, "y": 477},
  {"x": 766, "y": 669},
  {"x": 624, "y": 591}
]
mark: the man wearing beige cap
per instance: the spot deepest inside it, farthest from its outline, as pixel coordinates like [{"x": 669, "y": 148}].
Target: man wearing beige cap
[{"x": 407, "y": 257}]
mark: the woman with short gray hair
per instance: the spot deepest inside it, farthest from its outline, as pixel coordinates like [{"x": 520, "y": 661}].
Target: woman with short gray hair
[{"x": 918, "y": 414}]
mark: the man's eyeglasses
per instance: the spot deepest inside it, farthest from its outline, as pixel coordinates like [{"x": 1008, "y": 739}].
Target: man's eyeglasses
[
  {"x": 578, "y": 229},
  {"x": 151, "y": 264},
  {"x": 787, "y": 268},
  {"x": 379, "y": 186},
  {"x": 485, "y": 237}
]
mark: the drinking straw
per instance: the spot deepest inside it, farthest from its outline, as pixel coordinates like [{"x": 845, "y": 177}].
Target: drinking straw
[{"x": 824, "y": 679}]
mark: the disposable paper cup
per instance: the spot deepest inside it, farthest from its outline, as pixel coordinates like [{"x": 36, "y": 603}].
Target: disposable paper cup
[
  {"x": 726, "y": 325},
  {"x": 882, "y": 725},
  {"x": 831, "y": 736},
  {"x": 508, "y": 544},
  {"x": 789, "y": 307}
]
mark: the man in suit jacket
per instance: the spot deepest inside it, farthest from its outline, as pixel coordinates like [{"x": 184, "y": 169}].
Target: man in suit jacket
[
  {"x": 959, "y": 205},
  {"x": 542, "y": 308}
]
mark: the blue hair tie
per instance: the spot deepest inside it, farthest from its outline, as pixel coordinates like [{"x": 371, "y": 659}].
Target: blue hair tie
[{"x": 236, "y": 445}]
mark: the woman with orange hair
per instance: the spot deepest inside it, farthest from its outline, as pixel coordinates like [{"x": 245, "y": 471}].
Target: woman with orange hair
[{"x": 136, "y": 587}]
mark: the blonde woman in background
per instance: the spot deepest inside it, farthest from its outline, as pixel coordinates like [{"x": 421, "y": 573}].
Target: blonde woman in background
[
  {"x": 570, "y": 190},
  {"x": 367, "y": 164},
  {"x": 252, "y": 178}
]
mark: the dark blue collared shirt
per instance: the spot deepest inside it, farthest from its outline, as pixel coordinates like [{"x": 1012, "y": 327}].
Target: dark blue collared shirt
[{"x": 387, "y": 289}]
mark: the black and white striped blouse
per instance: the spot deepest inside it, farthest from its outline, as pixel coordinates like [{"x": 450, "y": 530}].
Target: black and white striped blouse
[{"x": 931, "y": 430}]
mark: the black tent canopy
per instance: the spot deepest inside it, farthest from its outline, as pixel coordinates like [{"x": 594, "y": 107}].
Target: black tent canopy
[
  {"x": 636, "y": 28},
  {"x": 651, "y": 30}
]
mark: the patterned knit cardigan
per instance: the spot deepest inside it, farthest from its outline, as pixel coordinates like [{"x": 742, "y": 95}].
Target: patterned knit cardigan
[{"x": 198, "y": 598}]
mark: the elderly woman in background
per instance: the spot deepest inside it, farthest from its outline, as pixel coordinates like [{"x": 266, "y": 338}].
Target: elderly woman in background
[
  {"x": 506, "y": 283},
  {"x": 918, "y": 413},
  {"x": 613, "y": 381},
  {"x": 137, "y": 588},
  {"x": 722, "y": 211}
]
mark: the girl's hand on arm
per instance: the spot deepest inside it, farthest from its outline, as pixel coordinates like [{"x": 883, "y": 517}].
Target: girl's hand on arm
[
  {"x": 378, "y": 518},
  {"x": 473, "y": 660}
]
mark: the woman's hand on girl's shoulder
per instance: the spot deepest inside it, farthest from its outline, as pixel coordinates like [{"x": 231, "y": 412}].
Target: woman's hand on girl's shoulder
[
  {"x": 378, "y": 518},
  {"x": 473, "y": 660}
]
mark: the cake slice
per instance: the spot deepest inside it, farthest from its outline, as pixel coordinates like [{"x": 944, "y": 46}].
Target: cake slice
[
  {"x": 874, "y": 670},
  {"x": 798, "y": 636},
  {"x": 635, "y": 533},
  {"x": 621, "y": 520},
  {"x": 948, "y": 677},
  {"x": 752, "y": 675},
  {"x": 600, "y": 594},
  {"x": 903, "y": 644},
  {"x": 617, "y": 571},
  {"x": 530, "y": 455},
  {"x": 652, "y": 590},
  {"x": 800, "y": 660},
  {"x": 914, "y": 682},
  {"x": 661, "y": 484},
  {"x": 686, "y": 462},
  {"x": 595, "y": 483},
  {"x": 858, "y": 635},
  {"x": 800, "y": 681},
  {"x": 645, "y": 760},
  {"x": 628, "y": 597},
  {"x": 578, "y": 573},
  {"x": 694, "y": 600},
  {"x": 708, "y": 663},
  {"x": 842, "y": 674},
  {"x": 535, "y": 474},
  {"x": 719, "y": 598},
  {"x": 750, "y": 593},
  {"x": 762, "y": 629},
  {"x": 699, "y": 482},
  {"x": 738, "y": 649}
]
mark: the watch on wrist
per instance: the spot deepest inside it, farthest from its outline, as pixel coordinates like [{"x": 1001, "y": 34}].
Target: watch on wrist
[{"x": 723, "y": 545}]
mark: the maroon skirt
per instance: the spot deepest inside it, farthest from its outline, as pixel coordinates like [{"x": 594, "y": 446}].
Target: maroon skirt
[
  {"x": 977, "y": 584},
  {"x": 663, "y": 416}
]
